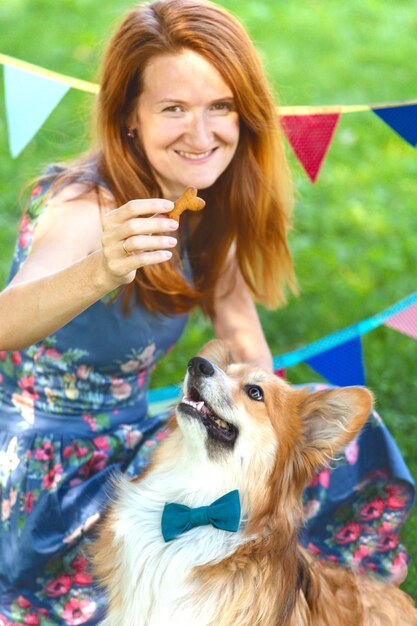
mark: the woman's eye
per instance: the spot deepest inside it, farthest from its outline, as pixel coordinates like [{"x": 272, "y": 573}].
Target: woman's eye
[
  {"x": 254, "y": 392},
  {"x": 174, "y": 108},
  {"x": 223, "y": 106}
]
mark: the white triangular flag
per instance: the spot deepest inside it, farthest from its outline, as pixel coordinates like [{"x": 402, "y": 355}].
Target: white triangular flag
[{"x": 29, "y": 100}]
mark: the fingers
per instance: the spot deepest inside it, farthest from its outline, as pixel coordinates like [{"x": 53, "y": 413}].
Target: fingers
[
  {"x": 140, "y": 208},
  {"x": 142, "y": 243},
  {"x": 135, "y": 235}
]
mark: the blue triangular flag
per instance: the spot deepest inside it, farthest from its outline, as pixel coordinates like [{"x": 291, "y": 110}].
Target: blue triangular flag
[
  {"x": 29, "y": 98},
  {"x": 402, "y": 119},
  {"x": 341, "y": 365}
]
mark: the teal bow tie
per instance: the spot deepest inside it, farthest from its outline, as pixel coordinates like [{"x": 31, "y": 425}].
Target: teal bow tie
[{"x": 224, "y": 513}]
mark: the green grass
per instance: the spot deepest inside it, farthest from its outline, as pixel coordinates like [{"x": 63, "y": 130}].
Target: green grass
[{"x": 354, "y": 234}]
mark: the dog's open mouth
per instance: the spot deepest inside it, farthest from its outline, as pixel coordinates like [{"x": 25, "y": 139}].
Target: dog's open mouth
[{"x": 195, "y": 406}]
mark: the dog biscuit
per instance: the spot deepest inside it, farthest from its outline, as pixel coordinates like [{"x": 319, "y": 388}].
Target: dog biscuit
[{"x": 187, "y": 200}]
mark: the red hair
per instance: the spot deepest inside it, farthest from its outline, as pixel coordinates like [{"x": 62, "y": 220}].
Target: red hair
[{"x": 251, "y": 202}]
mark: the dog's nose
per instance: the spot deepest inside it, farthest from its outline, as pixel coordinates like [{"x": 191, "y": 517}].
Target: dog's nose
[{"x": 200, "y": 367}]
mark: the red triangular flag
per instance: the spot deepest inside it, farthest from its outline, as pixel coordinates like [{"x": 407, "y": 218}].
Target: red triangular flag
[{"x": 310, "y": 137}]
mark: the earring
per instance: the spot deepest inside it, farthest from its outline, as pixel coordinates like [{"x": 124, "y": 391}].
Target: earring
[{"x": 131, "y": 133}]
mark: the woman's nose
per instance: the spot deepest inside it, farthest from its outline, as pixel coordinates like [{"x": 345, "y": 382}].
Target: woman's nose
[{"x": 199, "y": 132}]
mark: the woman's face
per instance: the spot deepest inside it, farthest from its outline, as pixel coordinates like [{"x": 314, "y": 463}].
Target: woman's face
[{"x": 187, "y": 121}]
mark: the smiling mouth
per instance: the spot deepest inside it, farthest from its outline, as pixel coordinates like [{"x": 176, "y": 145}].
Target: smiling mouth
[
  {"x": 195, "y": 156},
  {"x": 217, "y": 428}
]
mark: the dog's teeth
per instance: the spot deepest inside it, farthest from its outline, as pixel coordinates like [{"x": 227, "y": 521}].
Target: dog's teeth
[
  {"x": 221, "y": 423},
  {"x": 196, "y": 405}
]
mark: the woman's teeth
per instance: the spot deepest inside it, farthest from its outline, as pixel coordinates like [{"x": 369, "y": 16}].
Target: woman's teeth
[{"x": 193, "y": 155}]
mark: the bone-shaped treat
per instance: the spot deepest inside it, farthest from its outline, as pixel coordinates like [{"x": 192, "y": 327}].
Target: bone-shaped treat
[{"x": 187, "y": 200}]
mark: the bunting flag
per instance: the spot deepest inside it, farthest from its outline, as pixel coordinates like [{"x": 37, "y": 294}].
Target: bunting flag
[
  {"x": 309, "y": 129},
  {"x": 29, "y": 100},
  {"x": 310, "y": 137},
  {"x": 337, "y": 357},
  {"x": 341, "y": 365},
  {"x": 405, "y": 321},
  {"x": 402, "y": 119}
]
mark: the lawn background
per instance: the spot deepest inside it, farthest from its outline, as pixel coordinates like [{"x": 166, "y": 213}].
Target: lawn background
[{"x": 354, "y": 231}]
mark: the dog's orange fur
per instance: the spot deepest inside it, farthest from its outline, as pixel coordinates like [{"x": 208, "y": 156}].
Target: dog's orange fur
[{"x": 270, "y": 580}]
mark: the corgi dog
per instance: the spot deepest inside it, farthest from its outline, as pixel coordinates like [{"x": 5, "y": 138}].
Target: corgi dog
[{"x": 208, "y": 534}]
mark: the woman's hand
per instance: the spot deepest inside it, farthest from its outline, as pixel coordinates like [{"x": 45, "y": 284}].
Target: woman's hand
[{"x": 134, "y": 235}]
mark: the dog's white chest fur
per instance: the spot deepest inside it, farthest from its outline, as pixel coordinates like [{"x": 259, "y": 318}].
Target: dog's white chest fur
[{"x": 156, "y": 577}]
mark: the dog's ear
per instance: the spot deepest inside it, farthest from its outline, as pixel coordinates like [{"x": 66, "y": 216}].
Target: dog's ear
[
  {"x": 331, "y": 419},
  {"x": 217, "y": 352}
]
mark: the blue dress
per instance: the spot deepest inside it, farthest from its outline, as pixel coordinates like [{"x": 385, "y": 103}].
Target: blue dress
[{"x": 73, "y": 410}]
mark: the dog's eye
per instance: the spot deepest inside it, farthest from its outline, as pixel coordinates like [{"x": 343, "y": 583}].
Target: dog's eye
[{"x": 254, "y": 392}]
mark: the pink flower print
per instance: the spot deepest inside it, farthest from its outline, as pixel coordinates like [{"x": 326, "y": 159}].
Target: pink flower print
[
  {"x": 83, "y": 371},
  {"x": 132, "y": 438},
  {"x": 80, "y": 451},
  {"x": 163, "y": 434},
  {"x": 23, "y": 603},
  {"x": 120, "y": 389},
  {"x": 6, "y": 505},
  {"x": 324, "y": 478},
  {"x": 147, "y": 354},
  {"x": 372, "y": 510},
  {"x": 3, "y": 355},
  {"x": 29, "y": 501},
  {"x": 5, "y": 510},
  {"x": 101, "y": 442},
  {"x": 59, "y": 586},
  {"x": 32, "y": 619},
  {"x": 397, "y": 498},
  {"x": 36, "y": 191},
  {"x": 396, "y": 502},
  {"x": 43, "y": 612},
  {"x": 348, "y": 534},
  {"x": 79, "y": 564},
  {"x": 398, "y": 563},
  {"x": 314, "y": 550},
  {"x": 52, "y": 478},
  {"x": 142, "y": 378},
  {"x": 25, "y": 237},
  {"x": 91, "y": 421},
  {"x": 352, "y": 452},
  {"x": 78, "y": 611},
  {"x": 51, "y": 353},
  {"x": 16, "y": 358},
  {"x": 27, "y": 385},
  {"x": 394, "y": 490},
  {"x": 76, "y": 449},
  {"x": 26, "y": 407},
  {"x": 1, "y": 378},
  {"x": 130, "y": 366},
  {"x": 46, "y": 453},
  {"x": 82, "y": 578},
  {"x": 97, "y": 462},
  {"x": 360, "y": 554},
  {"x": 387, "y": 542}
]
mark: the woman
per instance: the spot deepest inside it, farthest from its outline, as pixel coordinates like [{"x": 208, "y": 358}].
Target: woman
[{"x": 102, "y": 282}]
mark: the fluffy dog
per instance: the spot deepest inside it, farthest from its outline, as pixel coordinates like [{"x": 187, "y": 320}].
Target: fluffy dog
[{"x": 241, "y": 431}]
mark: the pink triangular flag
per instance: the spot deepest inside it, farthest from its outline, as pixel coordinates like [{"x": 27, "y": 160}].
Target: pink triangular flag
[
  {"x": 405, "y": 321},
  {"x": 310, "y": 137}
]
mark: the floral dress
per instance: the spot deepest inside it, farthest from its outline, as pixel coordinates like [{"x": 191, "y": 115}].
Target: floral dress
[{"x": 74, "y": 410}]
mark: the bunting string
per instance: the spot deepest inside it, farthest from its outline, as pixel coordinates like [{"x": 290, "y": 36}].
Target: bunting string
[
  {"x": 32, "y": 92},
  {"x": 337, "y": 357}
]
